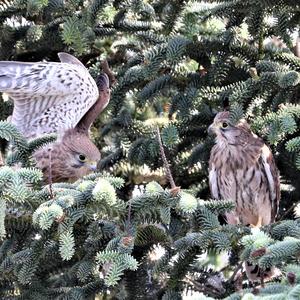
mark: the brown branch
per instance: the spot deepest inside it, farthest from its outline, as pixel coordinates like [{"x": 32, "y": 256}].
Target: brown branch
[
  {"x": 287, "y": 212},
  {"x": 174, "y": 189},
  {"x": 239, "y": 266}
]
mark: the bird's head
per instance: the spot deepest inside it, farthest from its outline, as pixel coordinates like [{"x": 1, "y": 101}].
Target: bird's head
[
  {"x": 226, "y": 132},
  {"x": 83, "y": 155}
]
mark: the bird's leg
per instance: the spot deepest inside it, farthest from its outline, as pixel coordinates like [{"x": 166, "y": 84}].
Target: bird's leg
[{"x": 258, "y": 223}]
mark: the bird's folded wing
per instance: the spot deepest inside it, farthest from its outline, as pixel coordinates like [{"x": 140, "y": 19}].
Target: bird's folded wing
[
  {"x": 213, "y": 181},
  {"x": 48, "y": 97},
  {"x": 273, "y": 179}
]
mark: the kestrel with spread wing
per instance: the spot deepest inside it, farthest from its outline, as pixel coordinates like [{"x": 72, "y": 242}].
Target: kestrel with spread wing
[
  {"x": 62, "y": 98},
  {"x": 242, "y": 169}
]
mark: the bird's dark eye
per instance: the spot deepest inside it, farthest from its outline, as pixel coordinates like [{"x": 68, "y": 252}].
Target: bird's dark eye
[
  {"x": 82, "y": 157},
  {"x": 224, "y": 125}
]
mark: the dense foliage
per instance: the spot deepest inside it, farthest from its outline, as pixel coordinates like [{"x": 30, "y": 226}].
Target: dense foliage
[{"x": 176, "y": 63}]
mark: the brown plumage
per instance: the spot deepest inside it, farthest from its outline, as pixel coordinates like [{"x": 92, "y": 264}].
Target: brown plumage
[
  {"x": 62, "y": 161},
  {"x": 242, "y": 169},
  {"x": 60, "y": 98}
]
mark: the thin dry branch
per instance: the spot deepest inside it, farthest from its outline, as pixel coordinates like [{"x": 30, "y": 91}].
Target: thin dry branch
[{"x": 174, "y": 189}]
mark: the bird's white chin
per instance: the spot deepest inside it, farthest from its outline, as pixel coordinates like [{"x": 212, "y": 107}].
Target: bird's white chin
[{"x": 222, "y": 142}]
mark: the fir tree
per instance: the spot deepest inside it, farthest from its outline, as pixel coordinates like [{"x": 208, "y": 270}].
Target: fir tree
[{"x": 177, "y": 63}]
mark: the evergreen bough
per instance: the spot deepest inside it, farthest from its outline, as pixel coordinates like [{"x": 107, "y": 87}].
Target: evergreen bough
[{"x": 177, "y": 63}]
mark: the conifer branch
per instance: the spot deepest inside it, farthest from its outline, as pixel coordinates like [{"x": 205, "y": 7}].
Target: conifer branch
[{"x": 157, "y": 47}]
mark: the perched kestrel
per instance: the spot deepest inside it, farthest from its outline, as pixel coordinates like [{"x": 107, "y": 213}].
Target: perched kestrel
[
  {"x": 242, "y": 169},
  {"x": 62, "y": 98}
]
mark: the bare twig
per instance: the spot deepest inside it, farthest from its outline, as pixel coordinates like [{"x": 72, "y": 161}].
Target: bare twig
[
  {"x": 239, "y": 266},
  {"x": 287, "y": 212},
  {"x": 174, "y": 189},
  {"x": 262, "y": 282}
]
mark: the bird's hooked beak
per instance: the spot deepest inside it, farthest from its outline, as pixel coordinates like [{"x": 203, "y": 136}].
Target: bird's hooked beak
[
  {"x": 211, "y": 129},
  {"x": 92, "y": 165}
]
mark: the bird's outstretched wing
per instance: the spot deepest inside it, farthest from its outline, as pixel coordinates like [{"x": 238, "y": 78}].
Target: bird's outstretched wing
[{"x": 48, "y": 97}]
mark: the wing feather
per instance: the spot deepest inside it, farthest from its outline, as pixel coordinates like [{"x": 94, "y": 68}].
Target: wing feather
[
  {"x": 213, "y": 183},
  {"x": 69, "y": 59},
  {"x": 213, "y": 176},
  {"x": 273, "y": 179},
  {"x": 48, "y": 96}
]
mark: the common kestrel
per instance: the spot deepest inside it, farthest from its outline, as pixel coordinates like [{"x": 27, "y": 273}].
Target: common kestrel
[
  {"x": 62, "y": 98},
  {"x": 242, "y": 169}
]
